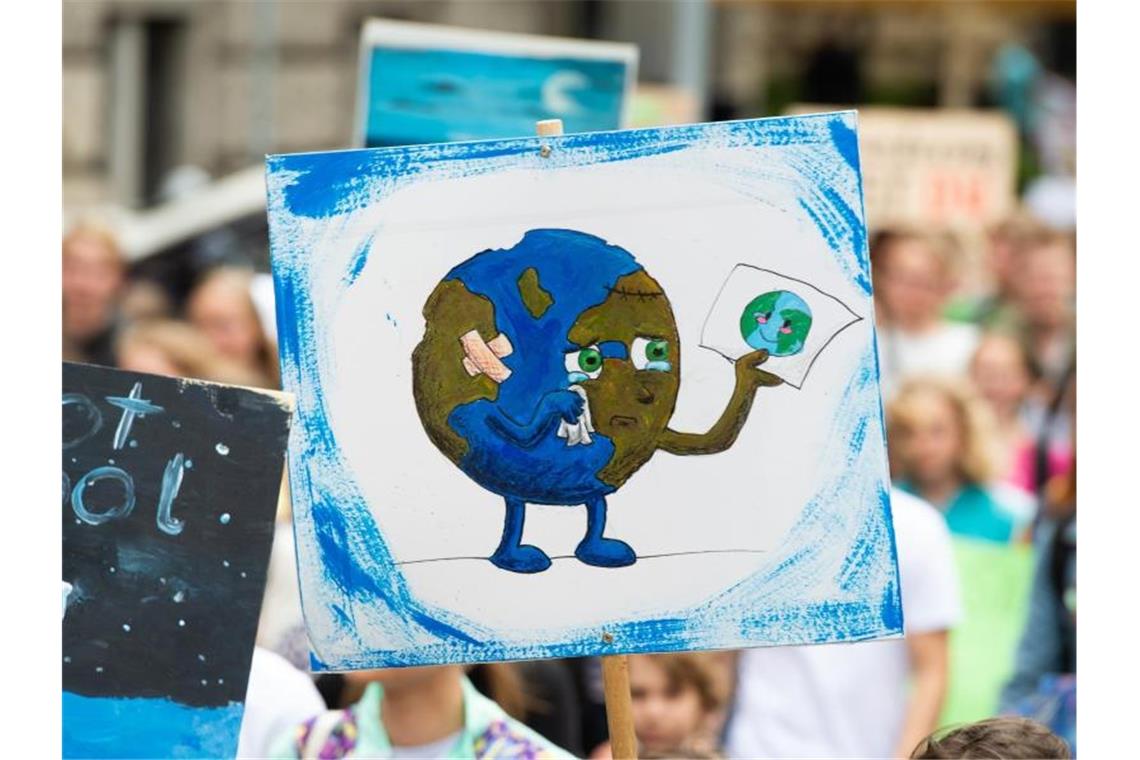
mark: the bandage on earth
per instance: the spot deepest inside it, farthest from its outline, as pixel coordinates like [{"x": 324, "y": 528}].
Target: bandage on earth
[{"x": 483, "y": 357}]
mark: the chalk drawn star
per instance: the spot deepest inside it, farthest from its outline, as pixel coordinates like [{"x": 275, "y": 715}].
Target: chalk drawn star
[{"x": 133, "y": 405}]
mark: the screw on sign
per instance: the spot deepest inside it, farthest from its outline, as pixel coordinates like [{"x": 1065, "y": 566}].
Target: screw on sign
[{"x": 134, "y": 407}]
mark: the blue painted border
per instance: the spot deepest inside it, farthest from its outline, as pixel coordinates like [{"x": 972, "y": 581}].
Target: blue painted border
[{"x": 357, "y": 570}]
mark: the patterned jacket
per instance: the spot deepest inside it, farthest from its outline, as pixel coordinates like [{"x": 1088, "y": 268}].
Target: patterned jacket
[{"x": 357, "y": 732}]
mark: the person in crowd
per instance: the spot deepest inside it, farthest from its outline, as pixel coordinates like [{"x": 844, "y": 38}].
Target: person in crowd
[
  {"x": 1002, "y": 738},
  {"x": 144, "y": 299},
  {"x": 221, "y": 306},
  {"x": 1001, "y": 371},
  {"x": 913, "y": 281},
  {"x": 993, "y": 309},
  {"x": 278, "y": 697},
  {"x": 1044, "y": 296},
  {"x": 416, "y": 712},
  {"x": 94, "y": 272},
  {"x": 175, "y": 349},
  {"x": 869, "y": 699},
  {"x": 540, "y": 693},
  {"x": 941, "y": 449},
  {"x": 1043, "y": 684},
  {"x": 676, "y": 699}
]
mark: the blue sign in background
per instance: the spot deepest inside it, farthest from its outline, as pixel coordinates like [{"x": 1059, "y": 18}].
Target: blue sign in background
[{"x": 429, "y": 96}]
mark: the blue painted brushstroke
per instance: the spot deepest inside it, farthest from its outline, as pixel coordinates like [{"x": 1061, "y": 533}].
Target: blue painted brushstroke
[
  {"x": 431, "y": 96},
  {"x": 846, "y": 142},
  {"x": 359, "y": 259},
  {"x": 120, "y": 727},
  {"x": 339, "y": 182},
  {"x": 570, "y": 475},
  {"x": 359, "y": 574}
]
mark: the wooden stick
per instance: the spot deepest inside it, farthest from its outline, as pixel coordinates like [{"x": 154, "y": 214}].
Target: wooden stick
[
  {"x": 548, "y": 127},
  {"x": 619, "y": 710},
  {"x": 615, "y": 668}
]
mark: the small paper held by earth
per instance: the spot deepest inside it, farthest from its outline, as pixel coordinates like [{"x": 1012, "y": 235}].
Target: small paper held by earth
[{"x": 791, "y": 319}]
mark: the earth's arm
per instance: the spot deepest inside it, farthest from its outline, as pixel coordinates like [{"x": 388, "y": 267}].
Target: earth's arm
[{"x": 723, "y": 433}]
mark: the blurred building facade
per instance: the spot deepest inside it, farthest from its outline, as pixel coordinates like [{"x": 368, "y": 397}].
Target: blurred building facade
[{"x": 153, "y": 85}]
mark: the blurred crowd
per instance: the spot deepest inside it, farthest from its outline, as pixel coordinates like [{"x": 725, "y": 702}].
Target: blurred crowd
[{"x": 979, "y": 396}]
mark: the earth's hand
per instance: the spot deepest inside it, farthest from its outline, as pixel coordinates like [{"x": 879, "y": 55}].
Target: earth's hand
[
  {"x": 748, "y": 372},
  {"x": 566, "y": 404}
]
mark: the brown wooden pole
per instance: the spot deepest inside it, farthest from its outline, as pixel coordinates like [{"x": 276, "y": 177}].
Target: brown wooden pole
[{"x": 619, "y": 707}]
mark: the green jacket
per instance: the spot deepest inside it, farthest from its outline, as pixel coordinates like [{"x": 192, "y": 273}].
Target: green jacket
[{"x": 357, "y": 732}]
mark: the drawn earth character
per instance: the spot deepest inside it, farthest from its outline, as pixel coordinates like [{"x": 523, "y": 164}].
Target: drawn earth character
[{"x": 548, "y": 372}]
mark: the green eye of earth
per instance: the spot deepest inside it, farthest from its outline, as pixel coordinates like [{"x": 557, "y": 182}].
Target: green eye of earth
[
  {"x": 590, "y": 360},
  {"x": 657, "y": 350}
]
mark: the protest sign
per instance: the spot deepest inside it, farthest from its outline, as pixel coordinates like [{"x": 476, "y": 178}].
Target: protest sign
[
  {"x": 935, "y": 168},
  {"x": 421, "y": 83},
  {"x": 169, "y": 494},
  {"x": 499, "y": 452}
]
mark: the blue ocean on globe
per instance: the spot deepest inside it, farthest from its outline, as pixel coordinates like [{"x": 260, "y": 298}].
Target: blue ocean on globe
[
  {"x": 578, "y": 271},
  {"x": 778, "y": 322}
]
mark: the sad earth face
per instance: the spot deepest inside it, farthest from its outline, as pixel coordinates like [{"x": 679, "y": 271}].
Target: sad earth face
[{"x": 548, "y": 373}]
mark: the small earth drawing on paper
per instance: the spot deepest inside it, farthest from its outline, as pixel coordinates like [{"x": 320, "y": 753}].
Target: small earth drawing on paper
[
  {"x": 548, "y": 373},
  {"x": 777, "y": 321}
]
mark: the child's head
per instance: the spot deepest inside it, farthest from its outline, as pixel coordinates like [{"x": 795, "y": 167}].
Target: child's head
[
  {"x": 672, "y": 695},
  {"x": 1000, "y": 370},
  {"x": 938, "y": 431},
  {"x": 401, "y": 681},
  {"x": 999, "y": 738},
  {"x": 913, "y": 277}
]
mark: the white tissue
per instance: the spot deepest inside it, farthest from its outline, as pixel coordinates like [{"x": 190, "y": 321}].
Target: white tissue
[{"x": 580, "y": 431}]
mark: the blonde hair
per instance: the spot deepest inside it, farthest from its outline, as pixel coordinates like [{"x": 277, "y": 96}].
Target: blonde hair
[
  {"x": 239, "y": 281},
  {"x": 1018, "y": 226},
  {"x": 102, "y": 233},
  {"x": 975, "y": 460},
  {"x": 187, "y": 349},
  {"x": 944, "y": 246}
]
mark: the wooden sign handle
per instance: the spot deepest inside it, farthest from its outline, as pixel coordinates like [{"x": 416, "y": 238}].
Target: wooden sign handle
[
  {"x": 619, "y": 708},
  {"x": 615, "y": 668},
  {"x": 548, "y": 127}
]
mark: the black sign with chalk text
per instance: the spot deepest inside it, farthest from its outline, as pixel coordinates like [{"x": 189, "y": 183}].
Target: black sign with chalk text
[{"x": 169, "y": 493}]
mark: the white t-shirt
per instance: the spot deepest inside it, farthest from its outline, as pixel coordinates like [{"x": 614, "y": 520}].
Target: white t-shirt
[
  {"x": 278, "y": 699},
  {"x": 943, "y": 351},
  {"x": 849, "y": 700}
]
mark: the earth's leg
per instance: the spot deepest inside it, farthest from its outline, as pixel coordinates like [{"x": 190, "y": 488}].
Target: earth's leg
[
  {"x": 512, "y": 555},
  {"x": 599, "y": 551}
]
